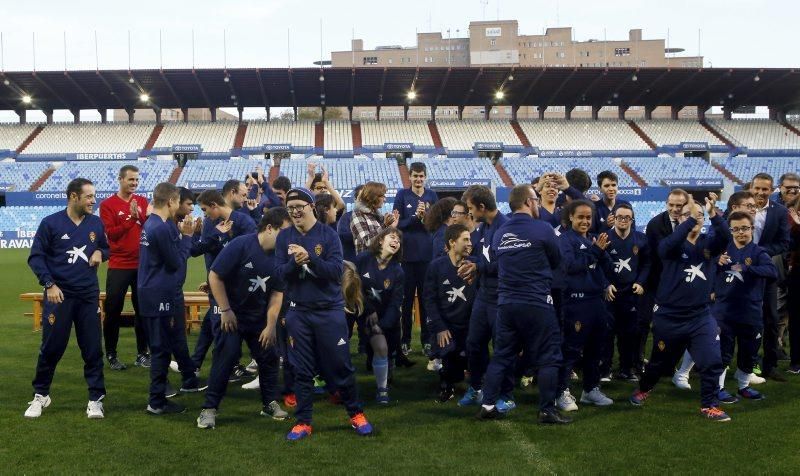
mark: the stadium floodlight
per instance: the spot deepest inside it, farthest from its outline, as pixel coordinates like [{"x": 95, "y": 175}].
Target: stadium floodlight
[
  {"x": 635, "y": 78},
  {"x": 226, "y": 78},
  {"x": 499, "y": 95},
  {"x": 131, "y": 80},
  {"x": 144, "y": 97},
  {"x": 26, "y": 99},
  {"x": 411, "y": 95},
  {"x": 6, "y": 82},
  {"x": 757, "y": 78},
  {"x": 511, "y": 77}
]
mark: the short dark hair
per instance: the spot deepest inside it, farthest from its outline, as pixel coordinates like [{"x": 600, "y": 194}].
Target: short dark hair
[
  {"x": 317, "y": 179},
  {"x": 763, "y": 176},
  {"x": 274, "y": 217},
  {"x": 127, "y": 168},
  {"x": 737, "y": 198},
  {"x": 186, "y": 194},
  {"x": 76, "y": 186},
  {"x": 579, "y": 179},
  {"x": 519, "y": 195},
  {"x": 322, "y": 203},
  {"x": 570, "y": 208},
  {"x": 480, "y": 195},
  {"x": 452, "y": 233},
  {"x": 210, "y": 197},
  {"x": 377, "y": 242},
  {"x": 418, "y": 167},
  {"x": 163, "y": 193},
  {"x": 606, "y": 175},
  {"x": 282, "y": 182},
  {"x": 740, "y": 216},
  {"x": 626, "y": 206},
  {"x": 679, "y": 191},
  {"x": 789, "y": 176},
  {"x": 230, "y": 185}
]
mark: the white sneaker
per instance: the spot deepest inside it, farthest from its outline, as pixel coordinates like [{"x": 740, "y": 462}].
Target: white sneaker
[
  {"x": 36, "y": 405},
  {"x": 94, "y": 409},
  {"x": 252, "y": 385},
  {"x": 174, "y": 366},
  {"x": 596, "y": 397},
  {"x": 751, "y": 379},
  {"x": 207, "y": 418},
  {"x": 566, "y": 402},
  {"x": 435, "y": 365},
  {"x": 252, "y": 367},
  {"x": 681, "y": 381}
]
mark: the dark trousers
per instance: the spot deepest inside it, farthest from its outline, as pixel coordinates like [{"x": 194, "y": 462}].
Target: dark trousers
[
  {"x": 454, "y": 363},
  {"x": 671, "y": 337},
  {"x": 228, "y": 350},
  {"x": 586, "y": 325},
  {"x": 412, "y": 286},
  {"x": 167, "y": 335},
  {"x": 117, "y": 283},
  {"x": 57, "y": 320},
  {"x": 319, "y": 340},
  {"x": 793, "y": 306},
  {"x": 480, "y": 333},
  {"x": 535, "y": 330},
  {"x": 771, "y": 324},
  {"x": 747, "y": 336},
  {"x": 208, "y": 329},
  {"x": 645, "y": 314},
  {"x": 624, "y": 325},
  {"x": 283, "y": 344}
]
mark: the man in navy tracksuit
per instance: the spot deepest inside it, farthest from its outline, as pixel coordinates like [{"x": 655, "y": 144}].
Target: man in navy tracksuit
[
  {"x": 67, "y": 249},
  {"x": 163, "y": 251},
  {"x": 681, "y": 317},
  {"x": 608, "y": 182},
  {"x": 412, "y": 204},
  {"x": 223, "y": 223},
  {"x": 630, "y": 270},
  {"x": 309, "y": 260},
  {"x": 245, "y": 284},
  {"x": 527, "y": 254},
  {"x": 483, "y": 207},
  {"x": 739, "y": 289},
  {"x": 448, "y": 299}
]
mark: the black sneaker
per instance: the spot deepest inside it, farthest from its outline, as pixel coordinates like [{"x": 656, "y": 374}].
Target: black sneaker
[
  {"x": 114, "y": 363},
  {"x": 627, "y": 376},
  {"x": 446, "y": 394},
  {"x": 170, "y": 408},
  {"x": 492, "y": 414},
  {"x": 238, "y": 373},
  {"x": 403, "y": 361},
  {"x": 773, "y": 375},
  {"x": 169, "y": 390},
  {"x": 143, "y": 360},
  {"x": 193, "y": 386},
  {"x": 553, "y": 417}
]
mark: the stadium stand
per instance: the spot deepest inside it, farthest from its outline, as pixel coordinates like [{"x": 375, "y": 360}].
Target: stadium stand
[
  {"x": 104, "y": 174},
  {"x": 669, "y": 132},
  {"x": 21, "y": 175},
  {"x": 460, "y": 169},
  {"x": 24, "y": 218},
  {"x": 299, "y": 134},
  {"x": 218, "y": 170},
  {"x": 575, "y": 134},
  {"x": 377, "y": 133},
  {"x": 13, "y": 135},
  {"x": 759, "y": 134},
  {"x": 89, "y": 138},
  {"x": 654, "y": 169},
  {"x": 338, "y": 137},
  {"x": 212, "y": 136},
  {"x": 462, "y": 135},
  {"x": 524, "y": 169},
  {"x": 744, "y": 168},
  {"x": 347, "y": 173}
]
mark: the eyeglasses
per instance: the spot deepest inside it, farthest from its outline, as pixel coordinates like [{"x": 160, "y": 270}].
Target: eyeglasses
[
  {"x": 623, "y": 218},
  {"x": 535, "y": 199},
  {"x": 792, "y": 188},
  {"x": 296, "y": 208},
  {"x": 458, "y": 214},
  {"x": 741, "y": 229},
  {"x": 749, "y": 206}
]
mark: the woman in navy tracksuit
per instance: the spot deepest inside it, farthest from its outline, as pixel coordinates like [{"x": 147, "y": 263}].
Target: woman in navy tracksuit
[
  {"x": 382, "y": 285},
  {"x": 436, "y": 221},
  {"x": 584, "y": 262}
]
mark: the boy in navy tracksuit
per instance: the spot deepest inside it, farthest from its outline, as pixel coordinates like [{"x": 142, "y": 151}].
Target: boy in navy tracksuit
[
  {"x": 244, "y": 281},
  {"x": 739, "y": 290},
  {"x": 527, "y": 254},
  {"x": 630, "y": 269},
  {"x": 67, "y": 248},
  {"x": 163, "y": 251},
  {"x": 309, "y": 260},
  {"x": 448, "y": 299},
  {"x": 681, "y": 316},
  {"x": 412, "y": 204},
  {"x": 604, "y": 216},
  {"x": 586, "y": 321}
]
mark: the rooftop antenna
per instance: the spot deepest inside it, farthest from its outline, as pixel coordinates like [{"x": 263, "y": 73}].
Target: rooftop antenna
[
  {"x": 65, "y": 50},
  {"x": 320, "y": 43},
  {"x": 558, "y": 14},
  {"x": 33, "y": 42},
  {"x": 484, "y": 3},
  {"x": 2, "y": 53},
  {"x": 192, "y": 48},
  {"x": 160, "y": 52},
  {"x": 225, "y": 48},
  {"x": 129, "y": 50},
  {"x": 289, "y": 47}
]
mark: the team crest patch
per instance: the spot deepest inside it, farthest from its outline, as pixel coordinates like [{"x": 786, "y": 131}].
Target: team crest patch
[
  {"x": 635, "y": 250},
  {"x": 748, "y": 261},
  {"x": 661, "y": 345},
  {"x": 578, "y": 326},
  {"x": 387, "y": 283},
  {"x": 51, "y": 318},
  {"x": 707, "y": 253},
  {"x": 318, "y": 250},
  {"x": 92, "y": 236}
]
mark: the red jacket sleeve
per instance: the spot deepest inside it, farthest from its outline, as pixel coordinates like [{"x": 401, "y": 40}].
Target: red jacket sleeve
[{"x": 115, "y": 228}]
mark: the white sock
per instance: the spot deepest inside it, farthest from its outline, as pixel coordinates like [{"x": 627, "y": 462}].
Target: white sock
[
  {"x": 722, "y": 378},
  {"x": 380, "y": 366},
  {"x": 488, "y": 407},
  {"x": 743, "y": 379},
  {"x": 686, "y": 365}
]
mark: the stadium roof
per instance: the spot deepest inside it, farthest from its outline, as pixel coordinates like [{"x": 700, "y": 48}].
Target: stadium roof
[{"x": 342, "y": 87}]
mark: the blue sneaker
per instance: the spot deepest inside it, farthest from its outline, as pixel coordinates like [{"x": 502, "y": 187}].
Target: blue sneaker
[
  {"x": 382, "y": 396},
  {"x": 471, "y": 397},
  {"x": 361, "y": 425},
  {"x": 505, "y": 405},
  {"x": 299, "y": 431},
  {"x": 725, "y": 397},
  {"x": 751, "y": 394}
]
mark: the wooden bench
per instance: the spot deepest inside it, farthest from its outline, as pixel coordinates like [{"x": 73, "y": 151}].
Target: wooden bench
[{"x": 193, "y": 304}]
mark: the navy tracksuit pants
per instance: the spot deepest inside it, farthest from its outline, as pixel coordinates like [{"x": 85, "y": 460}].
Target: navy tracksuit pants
[
  {"x": 208, "y": 329},
  {"x": 480, "y": 333},
  {"x": 283, "y": 345},
  {"x": 535, "y": 330},
  {"x": 586, "y": 325},
  {"x": 624, "y": 326},
  {"x": 57, "y": 320},
  {"x": 318, "y": 339},
  {"x": 454, "y": 363},
  {"x": 748, "y": 336},
  {"x": 412, "y": 286},
  {"x": 228, "y": 350},
  {"x": 672, "y": 335}
]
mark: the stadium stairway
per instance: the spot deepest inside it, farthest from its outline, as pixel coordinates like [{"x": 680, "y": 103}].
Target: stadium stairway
[
  {"x": 151, "y": 141},
  {"x": 503, "y": 174},
  {"x": 727, "y": 173},
  {"x": 240, "y": 133},
  {"x": 404, "y": 175},
  {"x": 791, "y": 128},
  {"x": 319, "y": 136},
  {"x": 717, "y": 134},
  {"x": 523, "y": 139},
  {"x": 41, "y": 180},
  {"x": 357, "y": 141},
  {"x": 29, "y": 139},
  {"x": 437, "y": 139},
  {"x": 175, "y": 175},
  {"x": 635, "y": 176},
  {"x": 641, "y": 134}
]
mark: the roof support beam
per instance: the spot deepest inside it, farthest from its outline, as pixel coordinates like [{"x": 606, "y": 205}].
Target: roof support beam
[
  {"x": 471, "y": 87},
  {"x": 560, "y": 87},
  {"x": 264, "y": 96},
  {"x": 380, "y": 91},
  {"x": 666, "y": 97},
  {"x": 442, "y": 86},
  {"x": 111, "y": 91},
  {"x": 645, "y": 91},
  {"x": 171, "y": 90},
  {"x": 291, "y": 91},
  {"x": 82, "y": 91},
  {"x": 762, "y": 85},
  {"x": 51, "y": 91},
  {"x": 528, "y": 91},
  {"x": 706, "y": 87},
  {"x": 202, "y": 89}
]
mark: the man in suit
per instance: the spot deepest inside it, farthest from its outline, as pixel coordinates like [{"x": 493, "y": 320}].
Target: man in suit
[
  {"x": 659, "y": 227},
  {"x": 771, "y": 232}
]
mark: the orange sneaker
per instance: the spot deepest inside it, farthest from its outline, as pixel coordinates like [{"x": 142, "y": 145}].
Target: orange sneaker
[
  {"x": 360, "y": 424},
  {"x": 299, "y": 431}
]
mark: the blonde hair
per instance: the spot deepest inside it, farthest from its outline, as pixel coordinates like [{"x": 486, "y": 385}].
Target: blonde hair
[{"x": 351, "y": 288}]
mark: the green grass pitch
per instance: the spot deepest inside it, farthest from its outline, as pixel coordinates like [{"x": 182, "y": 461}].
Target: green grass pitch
[{"x": 415, "y": 435}]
